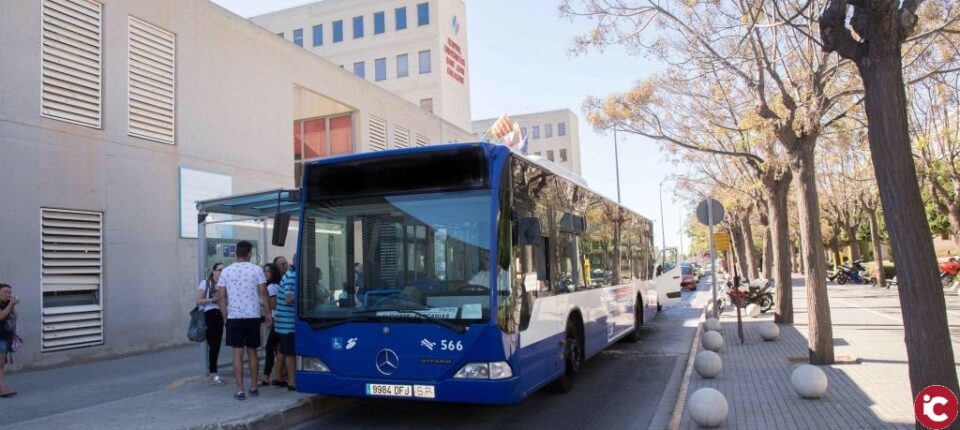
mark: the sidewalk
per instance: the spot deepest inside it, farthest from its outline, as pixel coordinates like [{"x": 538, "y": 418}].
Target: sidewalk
[
  {"x": 871, "y": 392},
  {"x": 159, "y": 390}
]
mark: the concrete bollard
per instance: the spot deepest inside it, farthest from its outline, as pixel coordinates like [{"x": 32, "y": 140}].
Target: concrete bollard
[
  {"x": 809, "y": 381},
  {"x": 708, "y": 407},
  {"x": 769, "y": 331},
  {"x": 753, "y": 310},
  {"x": 708, "y": 364},
  {"x": 711, "y": 324},
  {"x": 712, "y": 341}
]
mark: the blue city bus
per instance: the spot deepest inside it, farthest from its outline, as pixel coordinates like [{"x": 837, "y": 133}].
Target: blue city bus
[{"x": 464, "y": 273}]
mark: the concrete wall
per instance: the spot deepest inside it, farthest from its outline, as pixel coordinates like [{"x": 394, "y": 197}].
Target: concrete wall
[
  {"x": 235, "y": 107},
  {"x": 451, "y": 99}
]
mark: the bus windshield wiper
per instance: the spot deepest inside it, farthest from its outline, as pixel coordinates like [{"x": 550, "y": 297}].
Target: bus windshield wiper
[
  {"x": 455, "y": 327},
  {"x": 319, "y": 325}
]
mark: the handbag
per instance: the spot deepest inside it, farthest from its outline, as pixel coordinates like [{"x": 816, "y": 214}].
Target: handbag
[{"x": 197, "y": 331}]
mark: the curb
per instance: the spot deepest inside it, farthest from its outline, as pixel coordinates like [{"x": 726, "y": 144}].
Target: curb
[
  {"x": 305, "y": 410},
  {"x": 682, "y": 393}
]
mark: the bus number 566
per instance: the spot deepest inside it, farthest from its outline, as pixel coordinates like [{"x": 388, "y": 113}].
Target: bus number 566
[{"x": 449, "y": 345}]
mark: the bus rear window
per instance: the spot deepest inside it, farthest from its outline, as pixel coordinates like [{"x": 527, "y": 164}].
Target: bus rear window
[{"x": 423, "y": 171}]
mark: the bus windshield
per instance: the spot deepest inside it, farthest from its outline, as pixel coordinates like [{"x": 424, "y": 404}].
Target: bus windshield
[{"x": 378, "y": 258}]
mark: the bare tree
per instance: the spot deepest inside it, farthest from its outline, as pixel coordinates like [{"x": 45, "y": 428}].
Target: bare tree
[{"x": 884, "y": 27}]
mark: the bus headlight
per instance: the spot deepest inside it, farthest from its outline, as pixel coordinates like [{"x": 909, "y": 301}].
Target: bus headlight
[
  {"x": 494, "y": 370},
  {"x": 311, "y": 364}
]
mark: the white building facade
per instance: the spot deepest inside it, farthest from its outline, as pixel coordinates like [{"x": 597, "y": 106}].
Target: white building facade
[
  {"x": 554, "y": 135},
  {"x": 115, "y": 117},
  {"x": 414, "y": 48}
]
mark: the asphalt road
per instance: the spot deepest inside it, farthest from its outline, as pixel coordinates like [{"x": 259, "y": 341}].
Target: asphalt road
[{"x": 620, "y": 388}]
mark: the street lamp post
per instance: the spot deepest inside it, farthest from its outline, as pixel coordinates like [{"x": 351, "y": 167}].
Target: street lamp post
[{"x": 663, "y": 229}]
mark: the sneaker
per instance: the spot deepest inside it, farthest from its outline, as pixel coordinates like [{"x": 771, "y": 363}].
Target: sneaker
[
  {"x": 215, "y": 380},
  {"x": 240, "y": 396},
  {"x": 254, "y": 392}
]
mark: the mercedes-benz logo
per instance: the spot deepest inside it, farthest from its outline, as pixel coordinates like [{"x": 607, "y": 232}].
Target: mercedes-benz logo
[{"x": 387, "y": 362}]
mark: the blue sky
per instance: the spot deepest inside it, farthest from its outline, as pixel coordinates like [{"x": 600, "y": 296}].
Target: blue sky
[{"x": 518, "y": 62}]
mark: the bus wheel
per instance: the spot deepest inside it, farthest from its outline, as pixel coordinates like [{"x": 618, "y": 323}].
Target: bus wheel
[
  {"x": 637, "y": 322},
  {"x": 572, "y": 358}
]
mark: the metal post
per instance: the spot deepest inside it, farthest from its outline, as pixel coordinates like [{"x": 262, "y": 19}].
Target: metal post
[
  {"x": 680, "y": 220},
  {"x": 713, "y": 258},
  {"x": 616, "y": 158},
  {"x": 202, "y": 267}
]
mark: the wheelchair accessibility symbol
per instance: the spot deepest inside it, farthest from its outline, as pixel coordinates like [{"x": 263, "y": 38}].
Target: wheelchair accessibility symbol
[{"x": 935, "y": 407}]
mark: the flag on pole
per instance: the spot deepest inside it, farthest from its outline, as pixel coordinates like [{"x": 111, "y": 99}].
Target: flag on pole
[{"x": 500, "y": 128}]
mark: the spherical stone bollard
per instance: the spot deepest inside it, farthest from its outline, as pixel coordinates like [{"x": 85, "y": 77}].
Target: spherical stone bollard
[
  {"x": 708, "y": 407},
  {"x": 809, "y": 381},
  {"x": 769, "y": 331},
  {"x": 708, "y": 364},
  {"x": 711, "y": 324},
  {"x": 712, "y": 341},
  {"x": 753, "y": 310}
]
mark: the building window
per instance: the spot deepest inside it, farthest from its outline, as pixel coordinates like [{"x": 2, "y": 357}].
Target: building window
[
  {"x": 71, "y": 61},
  {"x": 380, "y": 69},
  {"x": 550, "y": 155},
  {"x": 548, "y": 130},
  {"x": 320, "y": 137},
  {"x": 523, "y": 131},
  {"x": 358, "y": 27},
  {"x": 298, "y": 36},
  {"x": 151, "y": 82},
  {"x": 561, "y": 129},
  {"x": 403, "y": 67},
  {"x": 400, "y": 15},
  {"x": 427, "y": 105},
  {"x": 563, "y": 155},
  {"x": 379, "y": 23},
  {"x": 337, "y": 31},
  {"x": 538, "y": 153},
  {"x": 536, "y": 131},
  {"x": 359, "y": 69},
  {"x": 318, "y": 35},
  {"x": 423, "y": 14},
  {"x": 424, "y": 62}
]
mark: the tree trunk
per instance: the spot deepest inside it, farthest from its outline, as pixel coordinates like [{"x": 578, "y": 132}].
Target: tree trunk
[
  {"x": 777, "y": 184},
  {"x": 877, "y": 247},
  {"x": 739, "y": 249},
  {"x": 820, "y": 329},
  {"x": 954, "y": 214},
  {"x": 852, "y": 239},
  {"x": 929, "y": 350},
  {"x": 752, "y": 264},
  {"x": 767, "y": 254},
  {"x": 835, "y": 250},
  {"x": 796, "y": 254}
]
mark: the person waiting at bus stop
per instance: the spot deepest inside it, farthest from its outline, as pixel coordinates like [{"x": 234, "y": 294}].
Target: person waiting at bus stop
[{"x": 284, "y": 326}]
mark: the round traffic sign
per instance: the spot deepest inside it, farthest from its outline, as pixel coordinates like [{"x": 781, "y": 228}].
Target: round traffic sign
[{"x": 703, "y": 213}]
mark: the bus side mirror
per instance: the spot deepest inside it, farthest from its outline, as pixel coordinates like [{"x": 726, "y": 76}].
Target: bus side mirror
[
  {"x": 281, "y": 222},
  {"x": 659, "y": 269},
  {"x": 529, "y": 232}
]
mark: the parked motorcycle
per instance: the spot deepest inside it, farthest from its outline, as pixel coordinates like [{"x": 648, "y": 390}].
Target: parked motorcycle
[
  {"x": 948, "y": 271},
  {"x": 759, "y": 292},
  {"x": 855, "y": 272}
]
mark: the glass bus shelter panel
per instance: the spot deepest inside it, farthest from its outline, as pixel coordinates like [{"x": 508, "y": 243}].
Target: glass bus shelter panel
[{"x": 222, "y": 238}]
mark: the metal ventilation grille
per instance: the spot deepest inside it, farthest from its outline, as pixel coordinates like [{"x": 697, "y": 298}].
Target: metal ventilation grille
[
  {"x": 401, "y": 137},
  {"x": 422, "y": 140},
  {"x": 378, "y": 133},
  {"x": 71, "y": 274},
  {"x": 151, "y": 82},
  {"x": 71, "y": 61}
]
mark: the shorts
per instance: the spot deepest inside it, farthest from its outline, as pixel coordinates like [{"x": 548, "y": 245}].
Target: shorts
[
  {"x": 286, "y": 344},
  {"x": 243, "y": 332},
  {"x": 4, "y": 346}
]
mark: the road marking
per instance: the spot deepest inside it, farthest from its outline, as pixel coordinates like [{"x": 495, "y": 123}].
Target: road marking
[
  {"x": 179, "y": 382},
  {"x": 682, "y": 395},
  {"x": 869, "y": 310}
]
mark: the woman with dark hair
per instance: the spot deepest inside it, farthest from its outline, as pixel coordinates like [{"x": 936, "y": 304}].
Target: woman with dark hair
[
  {"x": 8, "y": 328},
  {"x": 207, "y": 299},
  {"x": 273, "y": 274}
]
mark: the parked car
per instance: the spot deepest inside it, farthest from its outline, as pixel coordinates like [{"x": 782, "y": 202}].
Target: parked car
[{"x": 688, "y": 276}]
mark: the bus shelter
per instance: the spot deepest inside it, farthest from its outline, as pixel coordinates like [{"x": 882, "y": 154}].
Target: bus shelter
[{"x": 224, "y": 221}]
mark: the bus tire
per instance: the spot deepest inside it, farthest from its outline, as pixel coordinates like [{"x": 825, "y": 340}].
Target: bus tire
[
  {"x": 572, "y": 358},
  {"x": 634, "y": 336}
]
